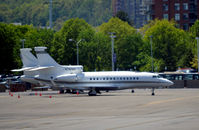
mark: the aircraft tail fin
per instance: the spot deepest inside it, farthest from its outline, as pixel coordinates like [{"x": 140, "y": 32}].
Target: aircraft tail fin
[
  {"x": 28, "y": 59},
  {"x": 44, "y": 59}
]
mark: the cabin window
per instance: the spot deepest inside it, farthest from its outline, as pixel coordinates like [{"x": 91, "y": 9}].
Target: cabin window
[
  {"x": 110, "y": 78},
  {"x": 137, "y": 78},
  {"x": 103, "y": 78},
  {"x": 90, "y": 78},
  {"x": 124, "y": 78},
  {"x": 127, "y": 78},
  {"x": 133, "y": 78},
  {"x": 97, "y": 78},
  {"x": 93, "y": 78},
  {"x": 130, "y": 78},
  {"x": 106, "y": 78},
  {"x": 113, "y": 78},
  {"x": 120, "y": 78}
]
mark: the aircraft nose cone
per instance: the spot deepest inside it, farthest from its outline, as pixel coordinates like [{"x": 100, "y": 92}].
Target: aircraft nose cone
[{"x": 170, "y": 83}]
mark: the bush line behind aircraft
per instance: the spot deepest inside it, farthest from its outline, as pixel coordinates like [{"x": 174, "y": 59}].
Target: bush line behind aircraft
[{"x": 47, "y": 71}]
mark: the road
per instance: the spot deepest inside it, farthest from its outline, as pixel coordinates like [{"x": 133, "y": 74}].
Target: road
[{"x": 170, "y": 109}]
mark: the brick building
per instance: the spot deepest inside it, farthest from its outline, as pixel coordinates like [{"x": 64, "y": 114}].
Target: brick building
[
  {"x": 137, "y": 10},
  {"x": 184, "y": 12}
]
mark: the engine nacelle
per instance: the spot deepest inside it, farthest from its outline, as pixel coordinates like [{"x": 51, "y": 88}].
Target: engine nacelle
[{"x": 66, "y": 77}]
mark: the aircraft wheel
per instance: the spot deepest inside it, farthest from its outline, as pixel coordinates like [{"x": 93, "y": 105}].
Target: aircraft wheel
[
  {"x": 132, "y": 91},
  {"x": 61, "y": 91},
  {"x": 92, "y": 93},
  {"x": 68, "y": 91}
]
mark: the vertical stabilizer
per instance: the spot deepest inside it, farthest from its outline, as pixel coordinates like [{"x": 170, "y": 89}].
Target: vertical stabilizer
[
  {"x": 44, "y": 59},
  {"x": 28, "y": 59}
]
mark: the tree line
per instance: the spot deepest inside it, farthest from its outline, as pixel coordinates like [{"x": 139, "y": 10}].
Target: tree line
[
  {"x": 36, "y": 12},
  {"x": 172, "y": 47}
]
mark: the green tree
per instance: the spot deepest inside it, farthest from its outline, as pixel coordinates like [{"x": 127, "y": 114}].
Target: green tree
[
  {"x": 96, "y": 54},
  {"x": 63, "y": 50},
  {"x": 127, "y": 42},
  {"x": 8, "y": 38},
  {"x": 170, "y": 45},
  {"x": 124, "y": 17},
  {"x": 194, "y": 32}
]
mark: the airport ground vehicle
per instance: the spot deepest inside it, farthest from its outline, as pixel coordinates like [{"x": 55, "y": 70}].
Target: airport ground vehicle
[{"x": 181, "y": 80}]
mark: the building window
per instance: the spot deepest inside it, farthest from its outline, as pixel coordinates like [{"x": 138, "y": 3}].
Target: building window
[
  {"x": 185, "y": 6},
  {"x": 185, "y": 26},
  {"x": 165, "y": 16},
  {"x": 165, "y": 0},
  {"x": 177, "y": 6},
  {"x": 177, "y": 17},
  {"x": 165, "y": 7},
  {"x": 185, "y": 16}
]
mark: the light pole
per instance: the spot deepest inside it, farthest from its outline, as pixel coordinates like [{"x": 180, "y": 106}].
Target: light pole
[
  {"x": 151, "y": 52},
  {"x": 23, "y": 40},
  {"x": 77, "y": 45},
  {"x": 113, "y": 55},
  {"x": 50, "y": 13},
  {"x": 197, "y": 38}
]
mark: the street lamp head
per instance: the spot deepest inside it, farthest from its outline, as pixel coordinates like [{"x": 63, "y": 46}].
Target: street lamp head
[
  {"x": 111, "y": 33},
  {"x": 197, "y": 38},
  {"x": 22, "y": 40},
  {"x": 70, "y": 40}
]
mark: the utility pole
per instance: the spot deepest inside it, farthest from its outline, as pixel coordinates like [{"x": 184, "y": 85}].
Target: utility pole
[
  {"x": 50, "y": 13},
  {"x": 50, "y": 3},
  {"x": 197, "y": 38},
  {"x": 151, "y": 52},
  {"x": 113, "y": 54}
]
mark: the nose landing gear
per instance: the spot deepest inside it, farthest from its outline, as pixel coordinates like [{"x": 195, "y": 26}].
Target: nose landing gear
[{"x": 153, "y": 91}]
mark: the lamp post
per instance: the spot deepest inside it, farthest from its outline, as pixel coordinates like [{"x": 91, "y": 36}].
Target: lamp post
[
  {"x": 23, "y": 40},
  {"x": 113, "y": 55},
  {"x": 50, "y": 14},
  {"x": 77, "y": 45},
  {"x": 151, "y": 52},
  {"x": 197, "y": 38}
]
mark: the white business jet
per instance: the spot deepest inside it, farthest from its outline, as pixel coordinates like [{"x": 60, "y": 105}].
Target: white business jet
[
  {"x": 50, "y": 72},
  {"x": 47, "y": 71}
]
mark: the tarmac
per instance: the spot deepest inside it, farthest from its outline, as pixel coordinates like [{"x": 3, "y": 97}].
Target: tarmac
[{"x": 169, "y": 109}]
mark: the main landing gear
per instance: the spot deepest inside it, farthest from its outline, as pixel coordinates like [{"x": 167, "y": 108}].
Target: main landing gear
[
  {"x": 153, "y": 91},
  {"x": 93, "y": 92}
]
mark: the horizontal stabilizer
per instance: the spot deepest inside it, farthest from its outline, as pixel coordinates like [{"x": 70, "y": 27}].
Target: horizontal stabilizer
[
  {"x": 44, "y": 87},
  {"x": 22, "y": 69},
  {"x": 41, "y": 68}
]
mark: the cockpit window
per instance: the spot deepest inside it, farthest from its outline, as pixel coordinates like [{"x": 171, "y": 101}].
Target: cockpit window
[{"x": 156, "y": 76}]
